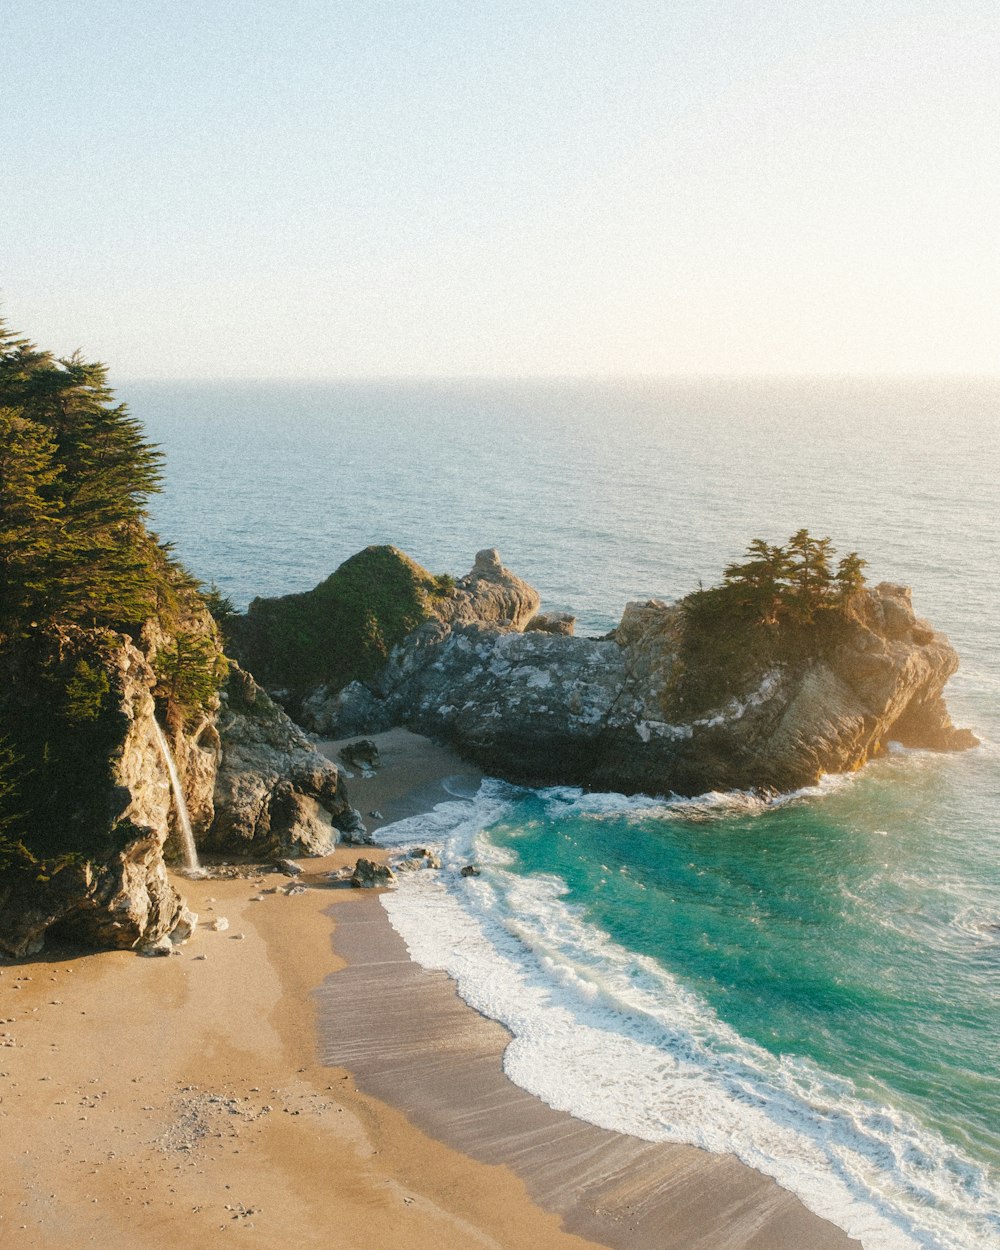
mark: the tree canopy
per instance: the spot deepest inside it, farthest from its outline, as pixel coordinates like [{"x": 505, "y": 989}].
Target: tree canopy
[
  {"x": 794, "y": 582},
  {"x": 75, "y": 475}
]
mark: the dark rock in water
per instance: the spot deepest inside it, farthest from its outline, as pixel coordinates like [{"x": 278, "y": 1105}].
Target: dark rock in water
[
  {"x": 368, "y": 875},
  {"x": 361, "y": 754},
  {"x": 470, "y": 870},
  {"x": 419, "y": 857}
]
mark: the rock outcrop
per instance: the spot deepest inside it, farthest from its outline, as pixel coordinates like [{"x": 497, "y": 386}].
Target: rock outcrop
[
  {"x": 104, "y": 882},
  {"x": 646, "y": 710},
  {"x": 488, "y": 596},
  {"x": 253, "y": 783},
  {"x": 369, "y": 875},
  {"x": 274, "y": 792},
  {"x": 344, "y": 628}
]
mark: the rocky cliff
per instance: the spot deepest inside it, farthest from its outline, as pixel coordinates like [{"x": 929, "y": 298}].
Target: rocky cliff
[
  {"x": 659, "y": 707},
  {"x": 252, "y": 782},
  {"x": 312, "y": 644}
]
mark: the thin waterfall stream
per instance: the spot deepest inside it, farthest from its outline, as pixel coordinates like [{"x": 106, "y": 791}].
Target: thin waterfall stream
[{"x": 191, "y": 864}]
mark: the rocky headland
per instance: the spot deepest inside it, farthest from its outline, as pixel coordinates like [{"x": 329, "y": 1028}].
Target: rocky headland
[
  {"x": 253, "y": 785},
  {"x": 675, "y": 699}
]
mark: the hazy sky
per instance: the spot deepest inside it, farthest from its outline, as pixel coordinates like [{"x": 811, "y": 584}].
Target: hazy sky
[{"x": 420, "y": 187}]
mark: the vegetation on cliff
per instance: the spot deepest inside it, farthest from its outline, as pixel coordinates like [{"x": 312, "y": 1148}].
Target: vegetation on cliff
[
  {"x": 343, "y": 629},
  {"x": 79, "y": 573},
  {"x": 779, "y": 604}
]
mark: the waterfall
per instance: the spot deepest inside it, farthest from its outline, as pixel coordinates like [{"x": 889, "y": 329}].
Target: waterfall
[{"x": 183, "y": 820}]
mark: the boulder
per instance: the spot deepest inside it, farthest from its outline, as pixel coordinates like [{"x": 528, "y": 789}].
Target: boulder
[
  {"x": 361, "y": 754},
  {"x": 368, "y": 875},
  {"x": 184, "y": 927},
  {"x": 419, "y": 857},
  {"x": 552, "y": 623}
]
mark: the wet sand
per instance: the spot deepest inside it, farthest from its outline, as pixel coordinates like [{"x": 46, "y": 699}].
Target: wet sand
[{"x": 189, "y": 1100}]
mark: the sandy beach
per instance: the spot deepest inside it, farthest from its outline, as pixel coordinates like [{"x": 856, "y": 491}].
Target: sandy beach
[{"x": 294, "y": 1080}]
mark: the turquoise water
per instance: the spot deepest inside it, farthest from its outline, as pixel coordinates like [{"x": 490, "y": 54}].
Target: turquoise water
[
  {"x": 811, "y": 984},
  {"x": 875, "y": 952}
]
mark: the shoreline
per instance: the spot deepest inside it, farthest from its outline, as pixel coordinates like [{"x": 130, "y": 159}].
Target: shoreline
[
  {"x": 319, "y": 1090},
  {"x": 410, "y": 1040}
]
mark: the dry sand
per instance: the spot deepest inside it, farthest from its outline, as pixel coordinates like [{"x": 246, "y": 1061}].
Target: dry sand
[{"x": 191, "y": 1100}]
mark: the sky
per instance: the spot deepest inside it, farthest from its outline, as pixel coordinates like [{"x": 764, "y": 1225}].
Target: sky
[{"x": 314, "y": 188}]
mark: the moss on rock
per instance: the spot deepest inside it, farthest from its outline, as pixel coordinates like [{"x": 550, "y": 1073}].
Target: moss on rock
[{"x": 341, "y": 631}]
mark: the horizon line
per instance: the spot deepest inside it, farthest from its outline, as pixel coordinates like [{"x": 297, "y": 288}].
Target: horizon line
[{"x": 593, "y": 378}]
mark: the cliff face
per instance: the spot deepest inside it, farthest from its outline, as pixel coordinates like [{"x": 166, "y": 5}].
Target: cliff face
[
  {"x": 251, "y": 780},
  {"x": 651, "y": 709},
  {"x": 488, "y": 596},
  {"x": 274, "y": 792},
  {"x": 345, "y": 628}
]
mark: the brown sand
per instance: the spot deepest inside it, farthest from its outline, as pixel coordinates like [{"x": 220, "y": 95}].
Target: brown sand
[{"x": 158, "y": 1102}]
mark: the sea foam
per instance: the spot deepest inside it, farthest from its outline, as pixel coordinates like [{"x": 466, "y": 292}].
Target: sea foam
[{"x": 613, "y": 1038}]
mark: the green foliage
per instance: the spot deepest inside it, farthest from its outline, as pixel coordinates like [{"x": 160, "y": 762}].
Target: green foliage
[
  {"x": 345, "y": 628},
  {"x": 190, "y": 671},
  {"x": 780, "y": 604},
  {"x": 13, "y": 853},
  {"x": 85, "y": 693},
  {"x": 78, "y": 568},
  {"x": 8, "y": 789},
  {"x": 75, "y": 474},
  {"x": 775, "y": 584},
  {"x": 444, "y": 585},
  {"x": 849, "y": 579},
  {"x": 220, "y": 605}
]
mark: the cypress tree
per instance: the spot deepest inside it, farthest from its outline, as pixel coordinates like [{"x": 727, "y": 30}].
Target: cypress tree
[
  {"x": 30, "y": 534},
  {"x": 93, "y": 471}
]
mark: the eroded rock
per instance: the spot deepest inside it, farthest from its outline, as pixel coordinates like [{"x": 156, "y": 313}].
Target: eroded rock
[
  {"x": 634, "y": 712},
  {"x": 274, "y": 792},
  {"x": 368, "y": 875}
]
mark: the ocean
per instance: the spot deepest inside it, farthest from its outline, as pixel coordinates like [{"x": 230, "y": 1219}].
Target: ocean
[{"x": 809, "y": 982}]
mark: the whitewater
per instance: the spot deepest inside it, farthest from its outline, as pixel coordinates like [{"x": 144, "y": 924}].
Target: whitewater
[{"x": 617, "y": 1040}]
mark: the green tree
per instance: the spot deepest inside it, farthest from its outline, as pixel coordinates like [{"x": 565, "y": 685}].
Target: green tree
[
  {"x": 85, "y": 691},
  {"x": 94, "y": 475},
  {"x": 849, "y": 578},
  {"x": 810, "y": 579},
  {"x": 30, "y": 534},
  {"x": 759, "y": 580},
  {"x": 190, "y": 671}
]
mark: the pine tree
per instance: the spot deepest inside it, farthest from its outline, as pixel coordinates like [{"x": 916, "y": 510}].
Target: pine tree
[
  {"x": 30, "y": 532},
  {"x": 849, "y": 578},
  {"x": 810, "y": 578},
  {"x": 102, "y": 565},
  {"x": 760, "y": 579}
]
